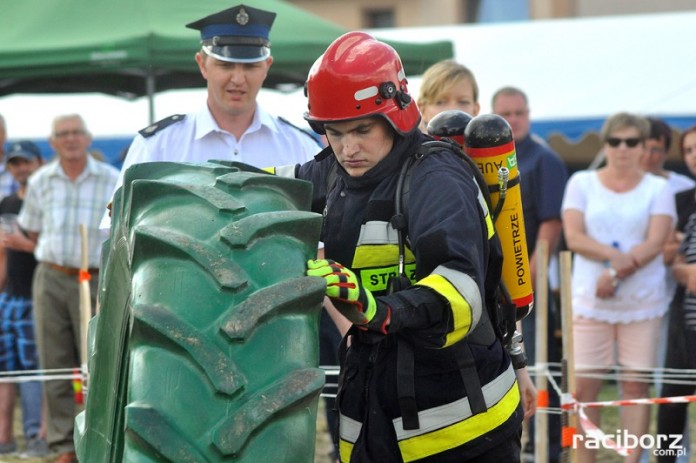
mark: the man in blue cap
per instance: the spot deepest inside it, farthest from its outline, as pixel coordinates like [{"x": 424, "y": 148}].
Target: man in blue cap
[{"x": 234, "y": 59}]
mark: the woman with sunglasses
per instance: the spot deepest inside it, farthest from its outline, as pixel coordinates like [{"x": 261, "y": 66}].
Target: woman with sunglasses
[{"x": 616, "y": 221}]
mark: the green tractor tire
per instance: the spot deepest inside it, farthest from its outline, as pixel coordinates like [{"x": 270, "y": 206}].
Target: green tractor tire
[{"x": 205, "y": 347}]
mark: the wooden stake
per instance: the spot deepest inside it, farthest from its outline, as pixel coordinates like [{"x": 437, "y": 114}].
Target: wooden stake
[
  {"x": 541, "y": 309},
  {"x": 85, "y": 299},
  {"x": 570, "y": 419}
]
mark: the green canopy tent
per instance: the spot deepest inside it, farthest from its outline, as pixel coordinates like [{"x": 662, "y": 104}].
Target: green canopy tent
[{"x": 133, "y": 48}]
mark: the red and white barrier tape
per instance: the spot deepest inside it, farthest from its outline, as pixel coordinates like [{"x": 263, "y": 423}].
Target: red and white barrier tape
[
  {"x": 656, "y": 400},
  {"x": 595, "y": 433},
  {"x": 569, "y": 403}
]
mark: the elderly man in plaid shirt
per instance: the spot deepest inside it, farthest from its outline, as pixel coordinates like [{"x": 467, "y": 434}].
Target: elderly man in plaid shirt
[{"x": 70, "y": 191}]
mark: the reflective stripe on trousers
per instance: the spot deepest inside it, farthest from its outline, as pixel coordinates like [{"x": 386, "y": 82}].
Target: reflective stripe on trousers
[{"x": 447, "y": 426}]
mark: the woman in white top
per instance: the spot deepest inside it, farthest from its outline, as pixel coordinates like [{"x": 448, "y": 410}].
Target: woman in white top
[{"x": 616, "y": 221}]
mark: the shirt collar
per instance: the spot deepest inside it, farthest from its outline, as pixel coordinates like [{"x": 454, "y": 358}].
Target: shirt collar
[
  {"x": 265, "y": 119},
  {"x": 56, "y": 169},
  {"x": 205, "y": 122}
]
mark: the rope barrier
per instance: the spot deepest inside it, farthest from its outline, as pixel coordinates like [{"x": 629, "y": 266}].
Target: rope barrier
[
  {"x": 661, "y": 375},
  {"x": 668, "y": 375},
  {"x": 25, "y": 372},
  {"x": 568, "y": 402},
  {"x": 43, "y": 378}
]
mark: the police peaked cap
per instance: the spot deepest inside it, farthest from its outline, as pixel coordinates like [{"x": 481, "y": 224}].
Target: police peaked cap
[{"x": 238, "y": 34}]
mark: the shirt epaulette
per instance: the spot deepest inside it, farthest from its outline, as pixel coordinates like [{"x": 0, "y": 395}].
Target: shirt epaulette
[
  {"x": 162, "y": 124},
  {"x": 285, "y": 121}
]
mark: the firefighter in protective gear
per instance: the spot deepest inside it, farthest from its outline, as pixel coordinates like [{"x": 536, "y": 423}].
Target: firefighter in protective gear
[{"x": 423, "y": 377}]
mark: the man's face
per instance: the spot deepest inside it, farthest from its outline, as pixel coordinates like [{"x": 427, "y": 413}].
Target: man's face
[
  {"x": 655, "y": 154},
  {"x": 232, "y": 87},
  {"x": 70, "y": 139},
  {"x": 515, "y": 111},
  {"x": 21, "y": 168},
  {"x": 360, "y": 145}
]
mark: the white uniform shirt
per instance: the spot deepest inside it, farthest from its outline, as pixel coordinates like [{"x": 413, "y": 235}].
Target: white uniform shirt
[{"x": 268, "y": 142}]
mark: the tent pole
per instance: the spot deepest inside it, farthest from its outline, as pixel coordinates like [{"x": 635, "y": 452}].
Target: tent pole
[{"x": 150, "y": 88}]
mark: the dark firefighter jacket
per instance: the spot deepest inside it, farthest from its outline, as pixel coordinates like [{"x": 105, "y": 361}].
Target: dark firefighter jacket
[{"x": 450, "y": 257}]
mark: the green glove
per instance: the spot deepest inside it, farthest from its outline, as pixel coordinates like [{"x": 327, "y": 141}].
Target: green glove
[{"x": 355, "y": 302}]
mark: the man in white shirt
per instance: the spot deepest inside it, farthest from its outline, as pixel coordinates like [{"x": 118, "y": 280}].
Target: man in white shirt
[{"x": 234, "y": 59}]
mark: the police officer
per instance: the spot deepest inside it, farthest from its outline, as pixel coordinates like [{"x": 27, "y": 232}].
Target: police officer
[
  {"x": 423, "y": 378},
  {"x": 234, "y": 59}
]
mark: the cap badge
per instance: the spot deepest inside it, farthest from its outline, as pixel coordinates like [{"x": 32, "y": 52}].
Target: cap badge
[{"x": 242, "y": 17}]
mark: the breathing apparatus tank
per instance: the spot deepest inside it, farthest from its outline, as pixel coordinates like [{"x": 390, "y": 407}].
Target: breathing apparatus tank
[
  {"x": 450, "y": 124},
  {"x": 487, "y": 139}
]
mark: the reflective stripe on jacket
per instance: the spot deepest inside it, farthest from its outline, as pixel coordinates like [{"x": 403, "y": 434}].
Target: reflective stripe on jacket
[
  {"x": 376, "y": 256},
  {"x": 464, "y": 297}
]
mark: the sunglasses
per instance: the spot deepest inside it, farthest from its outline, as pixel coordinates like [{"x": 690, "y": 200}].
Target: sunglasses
[{"x": 630, "y": 142}]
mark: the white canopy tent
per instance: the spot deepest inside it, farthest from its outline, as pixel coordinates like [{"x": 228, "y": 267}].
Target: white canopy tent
[
  {"x": 581, "y": 68},
  {"x": 576, "y": 72}
]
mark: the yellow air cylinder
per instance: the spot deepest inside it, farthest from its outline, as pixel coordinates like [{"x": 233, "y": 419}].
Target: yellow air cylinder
[{"x": 490, "y": 144}]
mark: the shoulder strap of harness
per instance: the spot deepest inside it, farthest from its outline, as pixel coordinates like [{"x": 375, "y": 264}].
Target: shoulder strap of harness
[
  {"x": 439, "y": 145},
  {"x": 500, "y": 320},
  {"x": 162, "y": 124},
  {"x": 305, "y": 132},
  {"x": 484, "y": 333}
]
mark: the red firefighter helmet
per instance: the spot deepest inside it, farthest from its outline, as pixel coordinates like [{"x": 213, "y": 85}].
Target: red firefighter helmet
[{"x": 359, "y": 76}]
